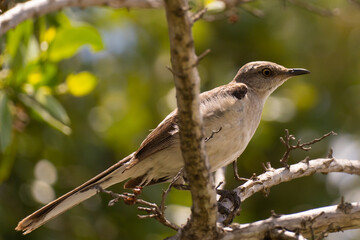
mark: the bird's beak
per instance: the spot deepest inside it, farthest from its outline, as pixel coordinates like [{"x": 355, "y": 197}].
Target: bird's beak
[{"x": 297, "y": 71}]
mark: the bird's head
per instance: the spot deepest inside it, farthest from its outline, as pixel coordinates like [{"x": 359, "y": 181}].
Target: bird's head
[{"x": 264, "y": 77}]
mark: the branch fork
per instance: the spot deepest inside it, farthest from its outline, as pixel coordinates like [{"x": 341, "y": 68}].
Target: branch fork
[
  {"x": 152, "y": 209},
  {"x": 286, "y": 140}
]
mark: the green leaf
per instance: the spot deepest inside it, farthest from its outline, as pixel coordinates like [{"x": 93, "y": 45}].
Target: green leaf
[
  {"x": 45, "y": 114},
  {"x": 21, "y": 34},
  {"x": 5, "y": 122},
  {"x": 52, "y": 105},
  {"x": 68, "y": 40},
  {"x": 38, "y": 74},
  {"x": 16, "y": 44},
  {"x": 81, "y": 84},
  {"x": 7, "y": 160}
]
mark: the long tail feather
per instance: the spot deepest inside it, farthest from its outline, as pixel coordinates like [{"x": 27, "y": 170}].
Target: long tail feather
[{"x": 109, "y": 177}]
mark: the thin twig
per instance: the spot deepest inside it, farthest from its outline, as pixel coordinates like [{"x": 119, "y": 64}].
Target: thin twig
[
  {"x": 202, "y": 55},
  {"x": 153, "y": 210},
  {"x": 166, "y": 192},
  {"x": 212, "y": 134},
  {"x": 174, "y": 73},
  {"x": 303, "y": 146},
  {"x": 236, "y": 173},
  {"x": 267, "y": 166},
  {"x": 198, "y": 15}
]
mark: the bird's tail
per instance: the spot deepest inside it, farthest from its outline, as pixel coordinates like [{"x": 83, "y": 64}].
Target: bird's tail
[{"x": 109, "y": 177}]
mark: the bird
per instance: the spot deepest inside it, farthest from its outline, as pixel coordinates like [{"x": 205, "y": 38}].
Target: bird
[{"x": 231, "y": 114}]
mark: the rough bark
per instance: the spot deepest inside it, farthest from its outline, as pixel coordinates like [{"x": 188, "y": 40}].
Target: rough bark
[
  {"x": 308, "y": 223},
  {"x": 273, "y": 177},
  {"x": 202, "y": 224}
]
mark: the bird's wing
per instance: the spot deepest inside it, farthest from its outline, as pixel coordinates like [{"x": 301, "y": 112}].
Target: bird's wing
[
  {"x": 160, "y": 138},
  {"x": 164, "y": 134}
]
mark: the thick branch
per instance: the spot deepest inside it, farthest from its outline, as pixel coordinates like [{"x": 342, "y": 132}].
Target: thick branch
[
  {"x": 308, "y": 223},
  {"x": 301, "y": 169},
  {"x": 274, "y": 177},
  {"x": 36, "y": 8},
  {"x": 202, "y": 224}
]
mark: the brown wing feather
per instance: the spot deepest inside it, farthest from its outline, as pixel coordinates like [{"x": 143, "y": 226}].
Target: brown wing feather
[
  {"x": 164, "y": 134},
  {"x": 160, "y": 138}
]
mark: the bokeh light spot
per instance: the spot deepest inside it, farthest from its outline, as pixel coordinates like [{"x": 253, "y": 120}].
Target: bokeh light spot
[
  {"x": 278, "y": 109},
  {"x": 45, "y": 171},
  {"x": 42, "y": 192}
]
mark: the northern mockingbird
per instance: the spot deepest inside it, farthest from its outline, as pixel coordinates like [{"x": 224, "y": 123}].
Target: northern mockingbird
[{"x": 235, "y": 108}]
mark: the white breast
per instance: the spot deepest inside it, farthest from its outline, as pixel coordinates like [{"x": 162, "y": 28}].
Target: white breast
[{"x": 238, "y": 120}]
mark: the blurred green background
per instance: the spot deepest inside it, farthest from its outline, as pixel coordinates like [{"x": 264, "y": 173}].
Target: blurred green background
[{"x": 80, "y": 89}]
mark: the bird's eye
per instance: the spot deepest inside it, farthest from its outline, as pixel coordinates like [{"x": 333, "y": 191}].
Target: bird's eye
[{"x": 266, "y": 72}]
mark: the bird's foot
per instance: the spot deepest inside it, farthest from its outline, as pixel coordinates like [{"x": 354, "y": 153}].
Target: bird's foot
[{"x": 228, "y": 206}]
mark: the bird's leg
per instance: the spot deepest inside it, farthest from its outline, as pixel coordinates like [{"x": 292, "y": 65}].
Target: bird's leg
[
  {"x": 236, "y": 173},
  {"x": 178, "y": 182},
  {"x": 228, "y": 204},
  {"x": 182, "y": 187}
]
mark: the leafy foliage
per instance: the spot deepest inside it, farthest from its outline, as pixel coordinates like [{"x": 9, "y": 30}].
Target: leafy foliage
[
  {"x": 5, "y": 121},
  {"x": 32, "y": 63}
]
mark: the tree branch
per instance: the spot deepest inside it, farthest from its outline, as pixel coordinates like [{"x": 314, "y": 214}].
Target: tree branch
[
  {"x": 274, "y": 177},
  {"x": 36, "y": 8},
  {"x": 301, "y": 169},
  {"x": 202, "y": 224},
  {"x": 307, "y": 223},
  {"x": 299, "y": 145},
  {"x": 153, "y": 210}
]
